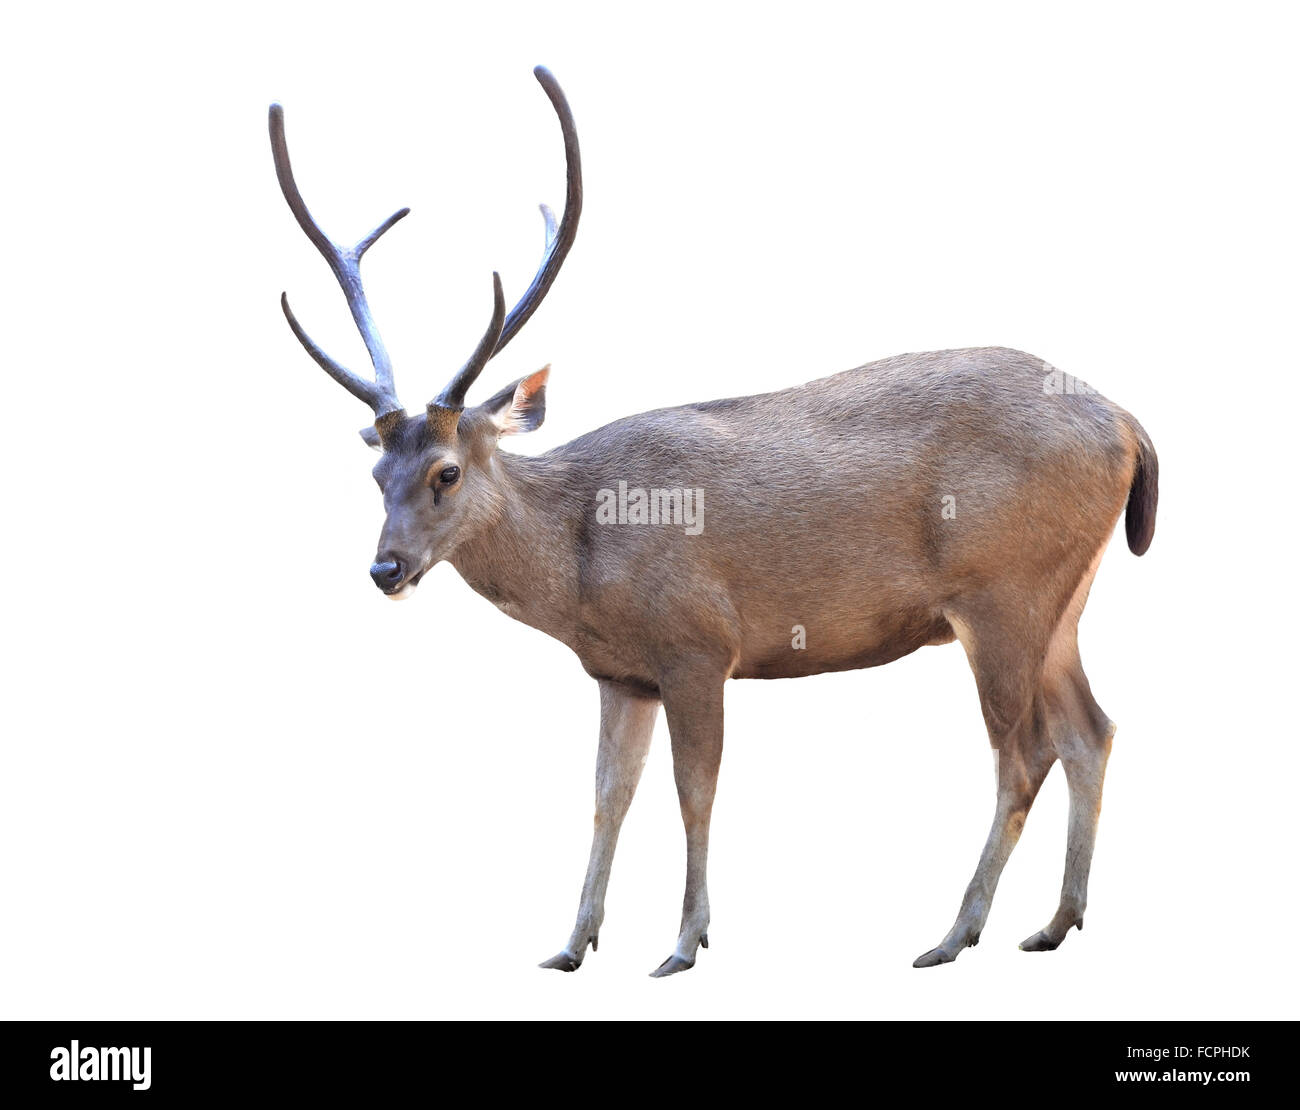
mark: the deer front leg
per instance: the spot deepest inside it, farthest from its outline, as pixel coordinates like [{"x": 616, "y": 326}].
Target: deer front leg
[
  {"x": 693, "y": 705},
  {"x": 626, "y": 724}
]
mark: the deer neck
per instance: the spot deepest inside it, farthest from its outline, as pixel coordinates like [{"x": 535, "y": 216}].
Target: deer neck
[{"x": 522, "y": 559}]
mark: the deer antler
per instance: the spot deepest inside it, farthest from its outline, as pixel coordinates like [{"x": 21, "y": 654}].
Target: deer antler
[
  {"x": 558, "y": 242},
  {"x": 487, "y": 347},
  {"x": 345, "y": 262}
]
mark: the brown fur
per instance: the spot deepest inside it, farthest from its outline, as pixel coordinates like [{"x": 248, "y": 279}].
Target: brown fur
[{"x": 824, "y": 507}]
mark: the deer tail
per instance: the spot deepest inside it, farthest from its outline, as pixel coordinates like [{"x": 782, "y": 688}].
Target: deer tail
[{"x": 1140, "y": 516}]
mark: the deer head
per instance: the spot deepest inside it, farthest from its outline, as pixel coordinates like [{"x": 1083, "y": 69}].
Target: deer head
[{"x": 437, "y": 469}]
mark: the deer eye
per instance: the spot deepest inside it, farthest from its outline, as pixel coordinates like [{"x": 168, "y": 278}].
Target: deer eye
[{"x": 449, "y": 475}]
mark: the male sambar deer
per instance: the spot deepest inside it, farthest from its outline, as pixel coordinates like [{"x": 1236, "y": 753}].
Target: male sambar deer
[{"x": 962, "y": 494}]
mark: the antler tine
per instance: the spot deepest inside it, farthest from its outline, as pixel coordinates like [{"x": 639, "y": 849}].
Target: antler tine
[
  {"x": 453, "y": 397},
  {"x": 345, "y": 263},
  {"x": 558, "y": 241},
  {"x": 357, "y": 386},
  {"x": 549, "y": 217}
]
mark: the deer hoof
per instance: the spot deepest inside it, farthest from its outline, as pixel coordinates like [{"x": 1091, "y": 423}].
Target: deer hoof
[
  {"x": 933, "y": 958},
  {"x": 1039, "y": 942},
  {"x": 565, "y": 961},
  {"x": 672, "y": 966}
]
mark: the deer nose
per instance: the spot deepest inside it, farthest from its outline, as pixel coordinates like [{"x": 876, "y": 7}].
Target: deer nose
[{"x": 388, "y": 574}]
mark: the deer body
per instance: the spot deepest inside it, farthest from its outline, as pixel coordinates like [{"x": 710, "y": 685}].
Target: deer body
[
  {"x": 823, "y": 508},
  {"x": 912, "y": 501}
]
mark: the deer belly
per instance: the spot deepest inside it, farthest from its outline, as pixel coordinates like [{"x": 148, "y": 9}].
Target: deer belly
[{"x": 835, "y": 645}]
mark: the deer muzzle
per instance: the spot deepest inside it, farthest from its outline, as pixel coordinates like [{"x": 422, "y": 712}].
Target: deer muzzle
[{"x": 389, "y": 574}]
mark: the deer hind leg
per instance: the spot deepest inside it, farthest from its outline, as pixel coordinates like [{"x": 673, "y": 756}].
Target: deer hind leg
[
  {"x": 693, "y": 706},
  {"x": 1006, "y": 661},
  {"x": 1081, "y": 735},
  {"x": 626, "y": 725}
]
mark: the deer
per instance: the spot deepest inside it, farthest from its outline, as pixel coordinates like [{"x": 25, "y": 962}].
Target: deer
[{"x": 963, "y": 495}]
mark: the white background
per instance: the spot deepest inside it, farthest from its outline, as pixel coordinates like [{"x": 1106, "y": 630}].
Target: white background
[{"x": 238, "y": 783}]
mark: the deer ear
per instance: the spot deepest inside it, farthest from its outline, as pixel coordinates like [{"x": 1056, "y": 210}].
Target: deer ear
[
  {"x": 520, "y": 407},
  {"x": 371, "y": 435}
]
